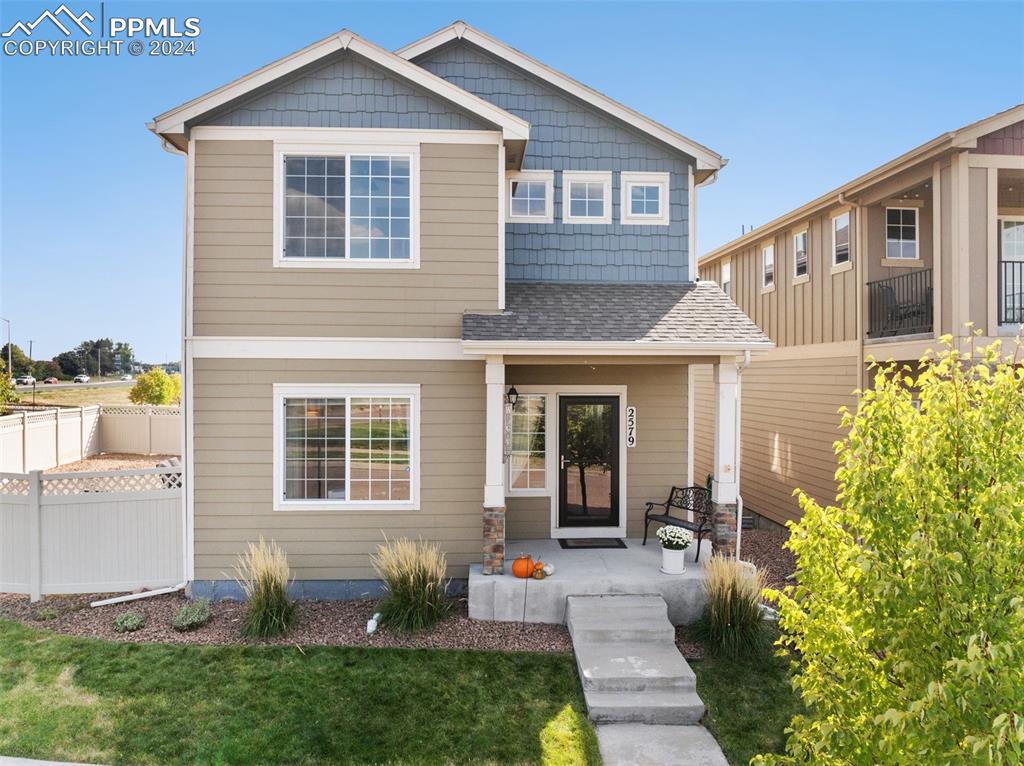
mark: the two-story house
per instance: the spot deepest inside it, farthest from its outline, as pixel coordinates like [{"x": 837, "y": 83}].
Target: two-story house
[
  {"x": 879, "y": 268},
  {"x": 445, "y": 293}
]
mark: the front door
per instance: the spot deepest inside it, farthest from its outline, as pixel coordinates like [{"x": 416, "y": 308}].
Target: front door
[{"x": 588, "y": 475}]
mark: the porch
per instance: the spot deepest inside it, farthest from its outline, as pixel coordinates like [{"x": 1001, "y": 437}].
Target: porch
[{"x": 633, "y": 570}]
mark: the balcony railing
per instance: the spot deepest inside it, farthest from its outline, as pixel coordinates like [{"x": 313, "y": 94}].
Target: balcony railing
[
  {"x": 1011, "y": 292},
  {"x": 900, "y": 305}
]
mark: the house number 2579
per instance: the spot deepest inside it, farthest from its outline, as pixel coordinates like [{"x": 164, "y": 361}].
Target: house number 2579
[{"x": 630, "y": 426}]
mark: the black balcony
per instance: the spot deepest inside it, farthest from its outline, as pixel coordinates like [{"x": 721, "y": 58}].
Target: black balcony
[
  {"x": 1011, "y": 292},
  {"x": 900, "y": 305}
]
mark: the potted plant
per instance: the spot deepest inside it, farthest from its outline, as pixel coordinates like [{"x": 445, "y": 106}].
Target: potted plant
[{"x": 674, "y": 542}]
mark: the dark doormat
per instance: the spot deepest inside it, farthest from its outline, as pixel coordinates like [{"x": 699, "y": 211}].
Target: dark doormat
[{"x": 572, "y": 543}]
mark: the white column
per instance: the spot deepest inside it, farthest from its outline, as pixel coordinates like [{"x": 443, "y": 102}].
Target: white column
[
  {"x": 494, "y": 486},
  {"x": 724, "y": 489}
]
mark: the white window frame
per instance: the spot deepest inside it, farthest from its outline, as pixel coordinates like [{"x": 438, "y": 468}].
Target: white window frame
[
  {"x": 549, "y": 446},
  {"x": 283, "y": 391},
  {"x": 849, "y": 240},
  {"x": 545, "y": 176},
  {"x": 765, "y": 284},
  {"x": 798, "y": 278},
  {"x": 603, "y": 177},
  {"x": 341, "y": 149},
  {"x": 726, "y": 271},
  {"x": 917, "y": 234},
  {"x": 627, "y": 180}
]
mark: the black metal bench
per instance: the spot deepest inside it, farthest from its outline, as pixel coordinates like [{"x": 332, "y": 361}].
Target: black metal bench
[{"x": 696, "y": 500}]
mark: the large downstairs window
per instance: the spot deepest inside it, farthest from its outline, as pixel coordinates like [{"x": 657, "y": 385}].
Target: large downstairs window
[
  {"x": 346, "y": 447},
  {"x": 527, "y": 464},
  {"x": 346, "y": 209}
]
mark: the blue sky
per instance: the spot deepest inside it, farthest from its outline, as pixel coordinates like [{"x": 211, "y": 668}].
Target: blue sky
[{"x": 799, "y": 96}]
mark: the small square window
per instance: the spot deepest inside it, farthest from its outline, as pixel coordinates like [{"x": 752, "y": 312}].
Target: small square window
[
  {"x": 586, "y": 197},
  {"x": 530, "y": 196},
  {"x": 644, "y": 198}
]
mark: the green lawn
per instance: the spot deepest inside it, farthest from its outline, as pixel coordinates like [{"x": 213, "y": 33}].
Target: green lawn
[
  {"x": 750, "y": 703},
  {"x": 80, "y": 699}
]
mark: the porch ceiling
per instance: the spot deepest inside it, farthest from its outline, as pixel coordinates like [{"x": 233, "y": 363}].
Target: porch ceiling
[{"x": 674, "y": 317}]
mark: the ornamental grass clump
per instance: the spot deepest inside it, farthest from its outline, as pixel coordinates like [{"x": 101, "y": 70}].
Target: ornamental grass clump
[
  {"x": 733, "y": 623},
  {"x": 414, "y": 575},
  {"x": 263, "y": 573},
  {"x": 906, "y": 623}
]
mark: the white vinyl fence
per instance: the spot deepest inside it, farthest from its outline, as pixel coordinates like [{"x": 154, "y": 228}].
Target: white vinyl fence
[
  {"x": 100, "y": 532},
  {"x": 43, "y": 439}
]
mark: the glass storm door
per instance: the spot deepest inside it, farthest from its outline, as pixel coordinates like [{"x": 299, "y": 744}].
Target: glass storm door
[
  {"x": 588, "y": 475},
  {"x": 1011, "y": 271}
]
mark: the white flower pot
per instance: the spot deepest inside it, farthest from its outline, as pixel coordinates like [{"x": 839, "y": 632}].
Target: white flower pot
[{"x": 673, "y": 562}]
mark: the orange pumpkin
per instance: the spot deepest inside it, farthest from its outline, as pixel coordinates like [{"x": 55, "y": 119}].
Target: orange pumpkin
[
  {"x": 522, "y": 566},
  {"x": 538, "y": 565}
]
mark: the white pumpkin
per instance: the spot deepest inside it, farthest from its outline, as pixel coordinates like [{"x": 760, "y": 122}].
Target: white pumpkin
[{"x": 549, "y": 569}]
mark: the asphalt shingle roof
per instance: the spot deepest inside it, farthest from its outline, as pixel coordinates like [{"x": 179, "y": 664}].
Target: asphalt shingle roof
[{"x": 655, "y": 313}]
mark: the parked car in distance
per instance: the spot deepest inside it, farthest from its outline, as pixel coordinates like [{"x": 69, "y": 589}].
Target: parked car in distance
[
  {"x": 51, "y": 380},
  {"x": 126, "y": 377},
  {"x": 24, "y": 380},
  {"x": 81, "y": 379}
]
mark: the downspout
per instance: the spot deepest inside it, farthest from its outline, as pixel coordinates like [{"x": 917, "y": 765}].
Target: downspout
[{"x": 739, "y": 403}]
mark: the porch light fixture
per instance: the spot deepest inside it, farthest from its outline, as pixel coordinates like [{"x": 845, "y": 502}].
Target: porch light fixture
[{"x": 512, "y": 396}]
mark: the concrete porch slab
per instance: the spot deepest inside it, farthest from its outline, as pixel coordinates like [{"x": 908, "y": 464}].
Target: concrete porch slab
[
  {"x": 585, "y": 572},
  {"x": 637, "y": 744}
]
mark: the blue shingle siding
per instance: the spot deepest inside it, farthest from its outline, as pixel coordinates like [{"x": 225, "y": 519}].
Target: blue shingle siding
[
  {"x": 346, "y": 91},
  {"x": 566, "y": 134}
]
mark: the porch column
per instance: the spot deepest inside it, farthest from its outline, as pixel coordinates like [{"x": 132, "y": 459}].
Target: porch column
[
  {"x": 724, "y": 489},
  {"x": 494, "y": 485}
]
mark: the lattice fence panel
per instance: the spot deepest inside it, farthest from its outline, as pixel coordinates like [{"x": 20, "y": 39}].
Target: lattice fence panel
[
  {"x": 127, "y": 409},
  {"x": 13, "y": 484},
  {"x": 113, "y": 482}
]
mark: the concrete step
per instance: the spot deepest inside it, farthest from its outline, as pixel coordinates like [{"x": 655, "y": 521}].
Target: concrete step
[
  {"x": 618, "y": 618},
  {"x": 651, "y": 707},
  {"x": 622, "y": 666},
  {"x": 643, "y": 607},
  {"x": 597, "y": 631},
  {"x": 637, "y": 744}
]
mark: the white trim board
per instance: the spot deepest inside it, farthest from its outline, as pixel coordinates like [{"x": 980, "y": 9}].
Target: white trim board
[
  {"x": 460, "y": 30},
  {"x": 223, "y": 347},
  {"x": 392, "y": 136},
  {"x": 609, "y": 348},
  {"x": 173, "y": 121}
]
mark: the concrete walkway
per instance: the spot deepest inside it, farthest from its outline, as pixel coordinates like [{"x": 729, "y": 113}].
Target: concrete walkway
[{"x": 637, "y": 686}]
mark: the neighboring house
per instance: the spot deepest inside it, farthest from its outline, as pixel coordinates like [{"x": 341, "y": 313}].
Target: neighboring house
[
  {"x": 880, "y": 267},
  {"x": 379, "y": 247}
]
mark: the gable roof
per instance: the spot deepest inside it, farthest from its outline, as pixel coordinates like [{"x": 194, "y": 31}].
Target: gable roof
[
  {"x": 959, "y": 139},
  {"x": 707, "y": 160},
  {"x": 621, "y": 318},
  {"x": 171, "y": 124}
]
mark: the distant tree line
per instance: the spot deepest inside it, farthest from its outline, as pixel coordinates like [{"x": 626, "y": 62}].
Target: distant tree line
[{"x": 95, "y": 358}]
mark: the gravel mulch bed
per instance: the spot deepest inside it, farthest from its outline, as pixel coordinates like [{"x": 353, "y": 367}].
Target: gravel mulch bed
[
  {"x": 317, "y": 623},
  {"x": 110, "y": 461},
  {"x": 763, "y": 548}
]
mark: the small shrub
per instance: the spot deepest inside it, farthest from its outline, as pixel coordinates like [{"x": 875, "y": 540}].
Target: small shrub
[
  {"x": 733, "y": 624},
  {"x": 262, "y": 572},
  {"x": 193, "y": 614},
  {"x": 45, "y": 614},
  {"x": 129, "y": 622},
  {"x": 414, "y": 574}
]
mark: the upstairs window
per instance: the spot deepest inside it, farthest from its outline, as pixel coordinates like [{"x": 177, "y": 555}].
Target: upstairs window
[
  {"x": 841, "y": 239},
  {"x": 901, "y": 233},
  {"x": 727, "y": 278},
  {"x": 530, "y": 196},
  {"x": 353, "y": 209},
  {"x": 586, "y": 197},
  {"x": 644, "y": 199},
  {"x": 800, "y": 255},
  {"x": 768, "y": 266}
]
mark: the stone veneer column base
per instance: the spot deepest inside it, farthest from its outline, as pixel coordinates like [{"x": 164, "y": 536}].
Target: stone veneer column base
[
  {"x": 723, "y": 528},
  {"x": 494, "y": 540}
]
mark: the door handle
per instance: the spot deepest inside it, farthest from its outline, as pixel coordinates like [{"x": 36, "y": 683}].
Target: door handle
[{"x": 563, "y": 462}]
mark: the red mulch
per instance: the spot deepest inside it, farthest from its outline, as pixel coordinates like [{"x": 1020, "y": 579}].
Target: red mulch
[{"x": 317, "y": 623}]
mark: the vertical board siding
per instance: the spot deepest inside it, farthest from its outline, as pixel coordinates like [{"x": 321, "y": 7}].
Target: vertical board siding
[
  {"x": 790, "y": 423},
  {"x": 233, "y": 405},
  {"x": 238, "y": 292},
  {"x": 652, "y": 467},
  {"x": 344, "y": 90},
  {"x": 821, "y": 310},
  {"x": 14, "y": 548},
  {"x": 703, "y": 423},
  {"x": 566, "y": 134}
]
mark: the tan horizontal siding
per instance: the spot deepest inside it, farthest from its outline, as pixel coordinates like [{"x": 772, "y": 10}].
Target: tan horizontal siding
[
  {"x": 234, "y": 467},
  {"x": 789, "y": 423},
  {"x": 237, "y": 291},
  {"x": 652, "y": 467}
]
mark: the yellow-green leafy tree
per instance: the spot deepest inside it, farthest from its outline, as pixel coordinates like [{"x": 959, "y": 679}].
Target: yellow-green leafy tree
[
  {"x": 8, "y": 394},
  {"x": 907, "y": 620},
  {"x": 156, "y": 387}
]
